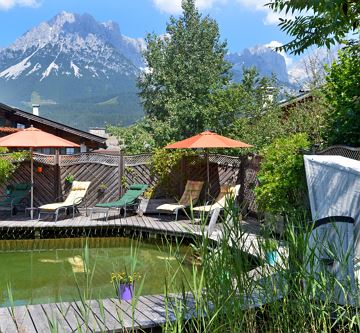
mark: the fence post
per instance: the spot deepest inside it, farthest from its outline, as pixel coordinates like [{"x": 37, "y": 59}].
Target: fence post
[
  {"x": 121, "y": 172},
  {"x": 182, "y": 176},
  {"x": 241, "y": 198},
  {"x": 57, "y": 174}
]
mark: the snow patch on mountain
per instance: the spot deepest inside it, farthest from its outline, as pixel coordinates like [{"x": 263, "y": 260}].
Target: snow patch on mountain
[
  {"x": 34, "y": 69},
  {"x": 13, "y": 72},
  {"x": 76, "y": 69}
]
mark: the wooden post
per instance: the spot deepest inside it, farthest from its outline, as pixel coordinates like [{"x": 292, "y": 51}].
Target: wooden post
[
  {"x": 242, "y": 171},
  {"x": 57, "y": 174},
  {"x": 121, "y": 172},
  {"x": 182, "y": 175}
]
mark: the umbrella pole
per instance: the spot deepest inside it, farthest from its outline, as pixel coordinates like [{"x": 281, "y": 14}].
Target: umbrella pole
[{"x": 32, "y": 183}]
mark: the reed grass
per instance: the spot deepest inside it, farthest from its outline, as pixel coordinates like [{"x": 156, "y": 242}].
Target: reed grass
[{"x": 234, "y": 292}]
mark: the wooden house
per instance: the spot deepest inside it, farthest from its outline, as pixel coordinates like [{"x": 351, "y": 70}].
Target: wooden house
[{"x": 13, "y": 119}]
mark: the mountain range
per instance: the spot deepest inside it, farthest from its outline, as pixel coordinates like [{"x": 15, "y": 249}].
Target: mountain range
[{"x": 83, "y": 72}]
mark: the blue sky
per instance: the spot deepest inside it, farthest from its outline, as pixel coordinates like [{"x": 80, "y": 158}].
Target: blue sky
[{"x": 243, "y": 23}]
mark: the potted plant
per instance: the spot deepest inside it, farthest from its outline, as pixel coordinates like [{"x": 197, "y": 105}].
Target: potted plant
[
  {"x": 271, "y": 251},
  {"x": 69, "y": 178},
  {"x": 124, "y": 284},
  {"x": 102, "y": 188}
]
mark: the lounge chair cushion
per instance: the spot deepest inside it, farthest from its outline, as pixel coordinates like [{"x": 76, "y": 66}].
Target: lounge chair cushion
[
  {"x": 76, "y": 194},
  {"x": 17, "y": 193},
  {"x": 226, "y": 191},
  {"x": 191, "y": 193},
  {"x": 190, "y": 196},
  {"x": 129, "y": 198},
  {"x": 22, "y": 187},
  {"x": 170, "y": 207}
]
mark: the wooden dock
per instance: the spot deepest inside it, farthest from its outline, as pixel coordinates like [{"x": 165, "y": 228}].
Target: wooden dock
[
  {"x": 152, "y": 224},
  {"x": 109, "y": 315}
]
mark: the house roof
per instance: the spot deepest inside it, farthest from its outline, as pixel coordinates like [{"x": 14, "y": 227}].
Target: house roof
[
  {"x": 31, "y": 119},
  {"x": 292, "y": 101}
]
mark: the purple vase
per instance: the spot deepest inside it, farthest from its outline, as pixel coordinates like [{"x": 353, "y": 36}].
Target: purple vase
[{"x": 126, "y": 292}]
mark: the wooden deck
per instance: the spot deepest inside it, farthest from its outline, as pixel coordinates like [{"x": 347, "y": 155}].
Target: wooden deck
[
  {"x": 152, "y": 224},
  {"x": 108, "y": 315}
]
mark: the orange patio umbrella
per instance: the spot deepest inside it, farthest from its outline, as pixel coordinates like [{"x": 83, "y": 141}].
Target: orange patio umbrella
[
  {"x": 34, "y": 138},
  {"x": 207, "y": 140}
]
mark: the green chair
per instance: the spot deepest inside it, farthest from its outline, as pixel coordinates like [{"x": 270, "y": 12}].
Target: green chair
[
  {"x": 17, "y": 195},
  {"x": 130, "y": 200}
]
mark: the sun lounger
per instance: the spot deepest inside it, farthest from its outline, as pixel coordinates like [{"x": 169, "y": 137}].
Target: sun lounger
[
  {"x": 130, "y": 200},
  {"x": 190, "y": 197},
  {"x": 226, "y": 192},
  {"x": 75, "y": 197},
  {"x": 17, "y": 196}
]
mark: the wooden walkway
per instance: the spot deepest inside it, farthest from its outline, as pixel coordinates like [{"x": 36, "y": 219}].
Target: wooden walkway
[
  {"x": 152, "y": 224},
  {"x": 109, "y": 315}
]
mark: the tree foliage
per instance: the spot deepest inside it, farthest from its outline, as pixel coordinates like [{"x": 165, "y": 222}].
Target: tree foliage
[
  {"x": 184, "y": 67},
  {"x": 343, "y": 95},
  {"x": 281, "y": 177},
  {"x": 321, "y": 23},
  {"x": 9, "y": 163}
]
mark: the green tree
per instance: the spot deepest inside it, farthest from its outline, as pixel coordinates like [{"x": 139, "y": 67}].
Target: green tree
[
  {"x": 136, "y": 139},
  {"x": 321, "y": 23},
  {"x": 185, "y": 66},
  {"x": 9, "y": 162},
  {"x": 282, "y": 179},
  {"x": 342, "y": 91}
]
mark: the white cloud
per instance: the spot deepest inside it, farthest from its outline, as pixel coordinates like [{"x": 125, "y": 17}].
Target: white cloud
[
  {"x": 273, "y": 44},
  {"x": 259, "y": 5},
  {"x": 174, "y": 6},
  {"x": 8, "y": 4}
]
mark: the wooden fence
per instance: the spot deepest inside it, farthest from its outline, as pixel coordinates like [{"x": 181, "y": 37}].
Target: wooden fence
[{"x": 115, "y": 172}]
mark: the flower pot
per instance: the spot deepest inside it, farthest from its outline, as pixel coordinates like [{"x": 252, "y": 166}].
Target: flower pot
[
  {"x": 126, "y": 291},
  {"x": 271, "y": 257}
]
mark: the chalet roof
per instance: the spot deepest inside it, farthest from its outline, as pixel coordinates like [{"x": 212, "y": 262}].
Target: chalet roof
[
  {"x": 292, "y": 101},
  {"x": 34, "y": 120}
]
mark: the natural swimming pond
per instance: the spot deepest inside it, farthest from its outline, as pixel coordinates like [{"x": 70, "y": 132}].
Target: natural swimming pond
[{"x": 50, "y": 270}]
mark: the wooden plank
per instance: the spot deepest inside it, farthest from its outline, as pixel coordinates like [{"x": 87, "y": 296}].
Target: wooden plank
[
  {"x": 7, "y": 323},
  {"x": 142, "y": 320},
  {"x": 118, "y": 313},
  {"x": 158, "y": 306},
  {"x": 84, "y": 312},
  {"x": 23, "y": 320},
  {"x": 55, "y": 316},
  {"x": 148, "y": 312},
  {"x": 106, "y": 321},
  {"x": 40, "y": 320},
  {"x": 70, "y": 315}
]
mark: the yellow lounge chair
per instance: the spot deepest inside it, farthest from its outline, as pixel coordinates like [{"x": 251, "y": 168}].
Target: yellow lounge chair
[
  {"x": 190, "y": 196},
  {"x": 226, "y": 192},
  {"x": 74, "y": 199}
]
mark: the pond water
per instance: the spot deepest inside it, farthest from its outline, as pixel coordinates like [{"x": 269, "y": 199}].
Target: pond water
[{"x": 50, "y": 270}]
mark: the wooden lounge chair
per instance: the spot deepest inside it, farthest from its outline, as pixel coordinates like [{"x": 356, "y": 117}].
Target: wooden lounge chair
[
  {"x": 75, "y": 197},
  {"x": 190, "y": 197},
  {"x": 130, "y": 200},
  {"x": 226, "y": 192},
  {"x": 17, "y": 196}
]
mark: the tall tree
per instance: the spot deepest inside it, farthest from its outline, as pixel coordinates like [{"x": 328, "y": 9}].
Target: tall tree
[
  {"x": 321, "y": 22},
  {"x": 184, "y": 67},
  {"x": 342, "y": 91}
]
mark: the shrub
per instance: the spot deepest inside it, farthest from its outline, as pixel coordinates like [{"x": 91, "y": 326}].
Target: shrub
[
  {"x": 282, "y": 183},
  {"x": 9, "y": 163}
]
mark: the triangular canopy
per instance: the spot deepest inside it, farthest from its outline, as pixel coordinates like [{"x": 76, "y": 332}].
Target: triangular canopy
[
  {"x": 34, "y": 138},
  {"x": 208, "y": 139}
]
